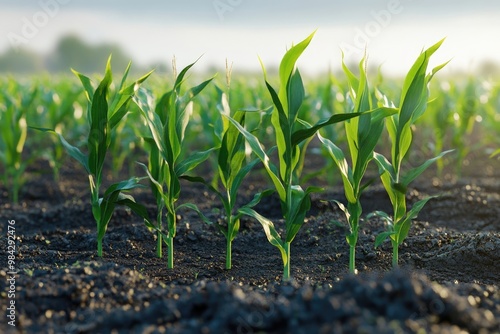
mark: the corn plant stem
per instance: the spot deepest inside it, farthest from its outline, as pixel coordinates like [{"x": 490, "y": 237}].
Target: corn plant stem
[
  {"x": 228, "y": 253},
  {"x": 159, "y": 238},
  {"x": 352, "y": 259},
  {"x": 355, "y": 210},
  {"x": 170, "y": 242},
  {"x": 395, "y": 254},
  {"x": 159, "y": 249},
  {"x": 94, "y": 193},
  {"x": 286, "y": 267}
]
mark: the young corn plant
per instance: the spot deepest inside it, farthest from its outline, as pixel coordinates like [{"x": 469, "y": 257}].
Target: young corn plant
[
  {"x": 103, "y": 117},
  {"x": 56, "y": 109},
  {"x": 231, "y": 171},
  {"x": 290, "y": 131},
  {"x": 467, "y": 109},
  {"x": 167, "y": 120},
  {"x": 13, "y": 132},
  {"x": 362, "y": 133},
  {"x": 413, "y": 103}
]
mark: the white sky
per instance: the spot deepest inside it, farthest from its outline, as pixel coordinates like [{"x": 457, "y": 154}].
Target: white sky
[{"x": 394, "y": 31}]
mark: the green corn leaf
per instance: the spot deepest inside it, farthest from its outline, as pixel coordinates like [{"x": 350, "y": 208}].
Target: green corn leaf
[
  {"x": 106, "y": 208},
  {"x": 272, "y": 235},
  {"x": 232, "y": 151},
  {"x": 119, "y": 101},
  {"x": 404, "y": 143},
  {"x": 297, "y": 210},
  {"x": 387, "y": 175},
  {"x": 233, "y": 191},
  {"x": 357, "y": 128},
  {"x": 437, "y": 69},
  {"x": 163, "y": 106},
  {"x": 73, "y": 151},
  {"x": 352, "y": 80},
  {"x": 155, "y": 184},
  {"x": 282, "y": 131},
  {"x": 381, "y": 113},
  {"x": 382, "y": 215},
  {"x": 145, "y": 101},
  {"x": 139, "y": 209},
  {"x": 287, "y": 66},
  {"x": 368, "y": 138},
  {"x": 415, "y": 172},
  {"x": 384, "y": 165},
  {"x": 195, "y": 209},
  {"x": 234, "y": 227},
  {"x": 414, "y": 88},
  {"x": 366, "y": 185},
  {"x": 380, "y": 238},
  {"x": 394, "y": 189},
  {"x": 194, "y": 91},
  {"x": 86, "y": 83},
  {"x": 98, "y": 139},
  {"x": 295, "y": 97},
  {"x": 119, "y": 106},
  {"x": 344, "y": 210},
  {"x": 339, "y": 158},
  {"x": 184, "y": 109},
  {"x": 259, "y": 151},
  {"x": 124, "y": 77},
  {"x": 155, "y": 166},
  {"x": 390, "y": 125},
  {"x": 403, "y": 227},
  {"x": 413, "y": 100},
  {"x": 258, "y": 197},
  {"x": 180, "y": 77},
  {"x": 192, "y": 161},
  {"x": 302, "y": 134},
  {"x": 352, "y": 239},
  {"x": 113, "y": 197},
  {"x": 129, "y": 184}
]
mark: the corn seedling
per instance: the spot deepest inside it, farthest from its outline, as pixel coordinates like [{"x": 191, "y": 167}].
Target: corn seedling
[
  {"x": 441, "y": 123},
  {"x": 363, "y": 133},
  {"x": 231, "y": 171},
  {"x": 103, "y": 118},
  {"x": 167, "y": 121},
  {"x": 56, "y": 109},
  {"x": 13, "y": 133},
  {"x": 295, "y": 202},
  {"x": 413, "y": 103},
  {"x": 465, "y": 118}
]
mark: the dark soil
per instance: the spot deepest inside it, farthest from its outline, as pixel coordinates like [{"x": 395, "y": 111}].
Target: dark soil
[{"x": 448, "y": 281}]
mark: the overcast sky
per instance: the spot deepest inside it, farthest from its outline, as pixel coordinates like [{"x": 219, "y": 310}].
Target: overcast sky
[{"x": 393, "y": 31}]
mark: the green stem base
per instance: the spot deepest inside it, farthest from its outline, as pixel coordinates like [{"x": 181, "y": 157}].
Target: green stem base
[
  {"x": 228, "y": 254},
  {"x": 170, "y": 242},
  {"x": 159, "y": 246},
  {"x": 286, "y": 267},
  {"x": 395, "y": 255}
]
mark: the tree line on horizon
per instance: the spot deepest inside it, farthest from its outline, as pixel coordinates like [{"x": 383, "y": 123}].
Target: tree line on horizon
[{"x": 70, "y": 52}]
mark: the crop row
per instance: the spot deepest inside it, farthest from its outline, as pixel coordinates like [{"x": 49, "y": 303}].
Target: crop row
[{"x": 346, "y": 117}]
